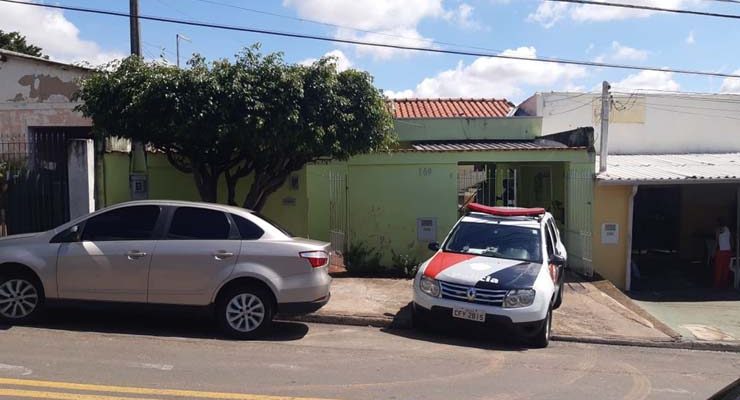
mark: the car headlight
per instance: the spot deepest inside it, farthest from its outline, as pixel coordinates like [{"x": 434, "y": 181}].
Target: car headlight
[
  {"x": 429, "y": 286},
  {"x": 519, "y": 298}
]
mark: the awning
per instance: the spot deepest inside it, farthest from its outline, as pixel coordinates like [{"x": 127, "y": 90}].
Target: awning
[
  {"x": 670, "y": 168},
  {"x": 489, "y": 145}
]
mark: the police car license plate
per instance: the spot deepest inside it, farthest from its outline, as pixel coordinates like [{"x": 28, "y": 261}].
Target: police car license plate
[{"x": 472, "y": 315}]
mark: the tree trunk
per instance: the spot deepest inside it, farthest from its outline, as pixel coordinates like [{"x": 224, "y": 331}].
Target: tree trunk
[
  {"x": 262, "y": 187},
  {"x": 207, "y": 186}
]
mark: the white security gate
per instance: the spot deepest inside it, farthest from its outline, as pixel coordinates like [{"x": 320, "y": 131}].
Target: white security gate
[
  {"x": 337, "y": 210},
  {"x": 579, "y": 222}
]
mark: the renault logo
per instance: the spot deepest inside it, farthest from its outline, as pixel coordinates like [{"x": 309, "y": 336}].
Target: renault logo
[{"x": 471, "y": 294}]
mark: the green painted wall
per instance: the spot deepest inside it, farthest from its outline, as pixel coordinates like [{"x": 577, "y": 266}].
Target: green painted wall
[
  {"x": 386, "y": 200},
  {"x": 468, "y": 128},
  {"x": 288, "y": 206}
]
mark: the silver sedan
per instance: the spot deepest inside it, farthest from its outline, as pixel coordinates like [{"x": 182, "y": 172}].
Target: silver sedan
[{"x": 168, "y": 252}]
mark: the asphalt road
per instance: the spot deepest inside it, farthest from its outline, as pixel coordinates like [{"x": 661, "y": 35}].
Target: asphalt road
[{"x": 114, "y": 356}]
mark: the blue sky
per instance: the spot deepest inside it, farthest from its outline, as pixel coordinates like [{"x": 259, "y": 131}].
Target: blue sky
[{"x": 531, "y": 28}]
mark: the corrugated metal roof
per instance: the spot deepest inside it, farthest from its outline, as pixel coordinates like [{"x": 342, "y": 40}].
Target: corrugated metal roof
[
  {"x": 666, "y": 168},
  {"x": 488, "y": 145},
  {"x": 451, "y": 108}
]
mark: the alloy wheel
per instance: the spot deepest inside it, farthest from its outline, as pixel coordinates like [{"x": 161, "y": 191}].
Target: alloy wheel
[
  {"x": 18, "y": 298},
  {"x": 245, "y": 312}
]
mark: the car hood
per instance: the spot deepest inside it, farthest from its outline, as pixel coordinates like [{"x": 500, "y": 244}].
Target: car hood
[
  {"x": 19, "y": 237},
  {"x": 482, "y": 272}
]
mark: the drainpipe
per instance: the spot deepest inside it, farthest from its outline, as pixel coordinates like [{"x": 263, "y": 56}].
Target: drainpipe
[{"x": 628, "y": 231}]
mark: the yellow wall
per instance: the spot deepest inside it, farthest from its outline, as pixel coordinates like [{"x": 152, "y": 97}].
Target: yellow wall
[{"x": 611, "y": 205}]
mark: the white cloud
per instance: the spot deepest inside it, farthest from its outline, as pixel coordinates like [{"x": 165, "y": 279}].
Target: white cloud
[
  {"x": 549, "y": 13},
  {"x": 648, "y": 80},
  {"x": 496, "y": 77},
  {"x": 626, "y": 53},
  {"x": 462, "y": 16},
  {"x": 391, "y": 21},
  {"x": 55, "y": 34},
  {"x": 690, "y": 39},
  {"x": 731, "y": 85},
  {"x": 340, "y": 59},
  {"x": 401, "y": 94}
]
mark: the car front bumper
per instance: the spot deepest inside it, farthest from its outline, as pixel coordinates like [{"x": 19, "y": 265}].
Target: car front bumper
[
  {"x": 442, "y": 316},
  {"x": 532, "y": 313}
]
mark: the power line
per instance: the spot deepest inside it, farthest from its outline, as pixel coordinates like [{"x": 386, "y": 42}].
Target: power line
[
  {"x": 649, "y": 8},
  {"x": 372, "y": 44},
  {"x": 337, "y": 26}
]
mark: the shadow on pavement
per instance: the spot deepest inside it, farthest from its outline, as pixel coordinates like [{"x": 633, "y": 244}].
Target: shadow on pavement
[
  {"x": 693, "y": 295},
  {"x": 453, "y": 333},
  {"x": 150, "y": 322}
]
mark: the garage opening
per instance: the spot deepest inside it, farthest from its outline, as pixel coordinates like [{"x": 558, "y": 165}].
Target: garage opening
[{"x": 673, "y": 234}]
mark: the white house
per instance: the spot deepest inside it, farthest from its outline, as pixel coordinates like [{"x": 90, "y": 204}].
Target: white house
[{"x": 673, "y": 169}]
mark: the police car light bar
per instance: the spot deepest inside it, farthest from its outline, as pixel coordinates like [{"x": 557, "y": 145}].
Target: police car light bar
[{"x": 506, "y": 211}]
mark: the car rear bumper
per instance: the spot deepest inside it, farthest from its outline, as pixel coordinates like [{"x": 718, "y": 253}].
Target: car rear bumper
[
  {"x": 303, "y": 307},
  {"x": 442, "y": 316}
]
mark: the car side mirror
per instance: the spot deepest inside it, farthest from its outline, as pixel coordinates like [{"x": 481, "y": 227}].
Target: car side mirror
[
  {"x": 558, "y": 260},
  {"x": 69, "y": 235},
  {"x": 433, "y": 246}
]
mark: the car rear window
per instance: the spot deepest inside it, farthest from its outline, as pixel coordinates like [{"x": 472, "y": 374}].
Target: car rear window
[
  {"x": 496, "y": 240},
  {"x": 247, "y": 229},
  {"x": 275, "y": 224}
]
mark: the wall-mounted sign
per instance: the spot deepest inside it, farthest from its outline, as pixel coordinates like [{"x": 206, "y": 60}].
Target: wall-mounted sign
[{"x": 609, "y": 233}]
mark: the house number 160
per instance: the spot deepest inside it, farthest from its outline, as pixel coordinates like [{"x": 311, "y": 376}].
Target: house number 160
[{"x": 425, "y": 171}]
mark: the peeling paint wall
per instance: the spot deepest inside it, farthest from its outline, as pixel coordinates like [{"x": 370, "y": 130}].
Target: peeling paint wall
[{"x": 36, "y": 93}]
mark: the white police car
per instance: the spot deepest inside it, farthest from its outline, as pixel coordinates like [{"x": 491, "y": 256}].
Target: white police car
[{"x": 499, "y": 266}]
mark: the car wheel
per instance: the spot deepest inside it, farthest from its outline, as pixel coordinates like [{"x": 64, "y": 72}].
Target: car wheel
[
  {"x": 21, "y": 298},
  {"x": 245, "y": 312},
  {"x": 542, "y": 338},
  {"x": 559, "y": 299}
]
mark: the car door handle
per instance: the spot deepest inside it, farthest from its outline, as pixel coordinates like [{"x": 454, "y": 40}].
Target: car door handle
[
  {"x": 135, "y": 254},
  {"x": 222, "y": 255}
]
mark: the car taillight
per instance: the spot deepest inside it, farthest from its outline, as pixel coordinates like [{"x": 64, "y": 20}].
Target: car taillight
[{"x": 316, "y": 258}]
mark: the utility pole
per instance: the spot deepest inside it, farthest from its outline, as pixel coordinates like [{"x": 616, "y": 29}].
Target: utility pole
[
  {"x": 135, "y": 31},
  {"x": 605, "y": 108},
  {"x": 179, "y": 37},
  {"x": 138, "y": 187}
]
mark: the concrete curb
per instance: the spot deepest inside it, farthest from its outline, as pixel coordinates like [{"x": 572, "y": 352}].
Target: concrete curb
[{"x": 405, "y": 323}]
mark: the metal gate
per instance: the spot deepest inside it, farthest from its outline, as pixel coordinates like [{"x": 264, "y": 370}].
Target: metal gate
[
  {"x": 338, "y": 210},
  {"x": 578, "y": 225},
  {"x": 34, "y": 195}
]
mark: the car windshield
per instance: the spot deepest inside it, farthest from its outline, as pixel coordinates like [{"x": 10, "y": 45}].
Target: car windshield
[{"x": 496, "y": 240}]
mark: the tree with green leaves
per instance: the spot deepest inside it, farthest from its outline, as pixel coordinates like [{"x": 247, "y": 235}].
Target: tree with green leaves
[
  {"x": 256, "y": 116},
  {"x": 14, "y": 41}
]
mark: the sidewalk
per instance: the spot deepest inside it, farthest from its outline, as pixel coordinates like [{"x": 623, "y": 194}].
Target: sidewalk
[{"x": 593, "y": 312}]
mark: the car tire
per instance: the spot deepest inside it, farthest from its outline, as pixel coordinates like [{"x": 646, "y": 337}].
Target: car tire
[
  {"x": 245, "y": 312},
  {"x": 21, "y": 298},
  {"x": 542, "y": 338},
  {"x": 559, "y": 300}
]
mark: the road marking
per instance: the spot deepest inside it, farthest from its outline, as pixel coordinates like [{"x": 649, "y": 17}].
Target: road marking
[
  {"x": 15, "y": 393},
  {"x": 16, "y": 368},
  {"x": 123, "y": 390}
]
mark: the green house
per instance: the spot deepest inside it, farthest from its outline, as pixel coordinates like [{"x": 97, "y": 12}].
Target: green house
[{"x": 451, "y": 151}]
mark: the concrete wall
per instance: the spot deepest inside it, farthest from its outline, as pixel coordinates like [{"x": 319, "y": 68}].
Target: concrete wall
[
  {"x": 36, "y": 93},
  {"x": 648, "y": 123},
  {"x": 81, "y": 177},
  {"x": 467, "y": 128},
  {"x": 611, "y": 205}
]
